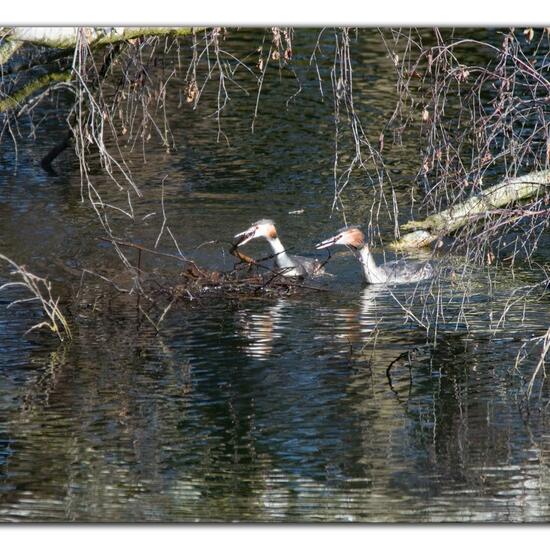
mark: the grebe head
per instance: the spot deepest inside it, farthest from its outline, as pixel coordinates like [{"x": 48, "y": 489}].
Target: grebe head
[
  {"x": 348, "y": 236},
  {"x": 261, "y": 228}
]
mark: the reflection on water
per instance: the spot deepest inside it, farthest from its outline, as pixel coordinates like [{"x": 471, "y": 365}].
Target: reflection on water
[
  {"x": 276, "y": 410},
  {"x": 352, "y": 323},
  {"x": 334, "y": 405},
  {"x": 261, "y": 329}
]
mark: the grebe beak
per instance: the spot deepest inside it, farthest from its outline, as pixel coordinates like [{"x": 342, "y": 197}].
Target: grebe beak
[
  {"x": 245, "y": 236},
  {"x": 328, "y": 242}
]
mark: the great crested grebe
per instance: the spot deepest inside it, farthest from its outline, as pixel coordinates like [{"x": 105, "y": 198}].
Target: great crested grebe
[
  {"x": 396, "y": 272},
  {"x": 291, "y": 266}
]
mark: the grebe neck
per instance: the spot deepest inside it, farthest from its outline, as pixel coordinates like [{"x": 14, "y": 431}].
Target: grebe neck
[
  {"x": 372, "y": 273},
  {"x": 282, "y": 259}
]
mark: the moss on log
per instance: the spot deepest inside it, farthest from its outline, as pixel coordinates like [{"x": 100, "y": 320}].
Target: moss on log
[
  {"x": 7, "y": 49},
  {"x": 507, "y": 192},
  {"x": 20, "y": 96},
  {"x": 130, "y": 33}
]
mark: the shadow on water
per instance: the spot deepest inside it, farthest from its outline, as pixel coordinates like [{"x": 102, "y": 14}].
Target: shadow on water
[{"x": 277, "y": 409}]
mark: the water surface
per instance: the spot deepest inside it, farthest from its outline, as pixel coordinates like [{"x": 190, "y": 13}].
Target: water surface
[{"x": 267, "y": 409}]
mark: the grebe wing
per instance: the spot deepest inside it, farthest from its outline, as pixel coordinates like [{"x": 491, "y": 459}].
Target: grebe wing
[
  {"x": 310, "y": 266},
  {"x": 406, "y": 270}
]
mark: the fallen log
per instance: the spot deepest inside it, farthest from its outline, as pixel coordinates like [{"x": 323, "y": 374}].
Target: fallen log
[
  {"x": 425, "y": 232},
  {"x": 66, "y": 37}
]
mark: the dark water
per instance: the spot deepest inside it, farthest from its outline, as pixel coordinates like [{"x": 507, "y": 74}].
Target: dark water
[{"x": 272, "y": 409}]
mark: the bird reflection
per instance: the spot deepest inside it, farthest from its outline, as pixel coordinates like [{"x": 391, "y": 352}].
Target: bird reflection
[
  {"x": 356, "y": 322},
  {"x": 262, "y": 328},
  {"x": 371, "y": 307}
]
